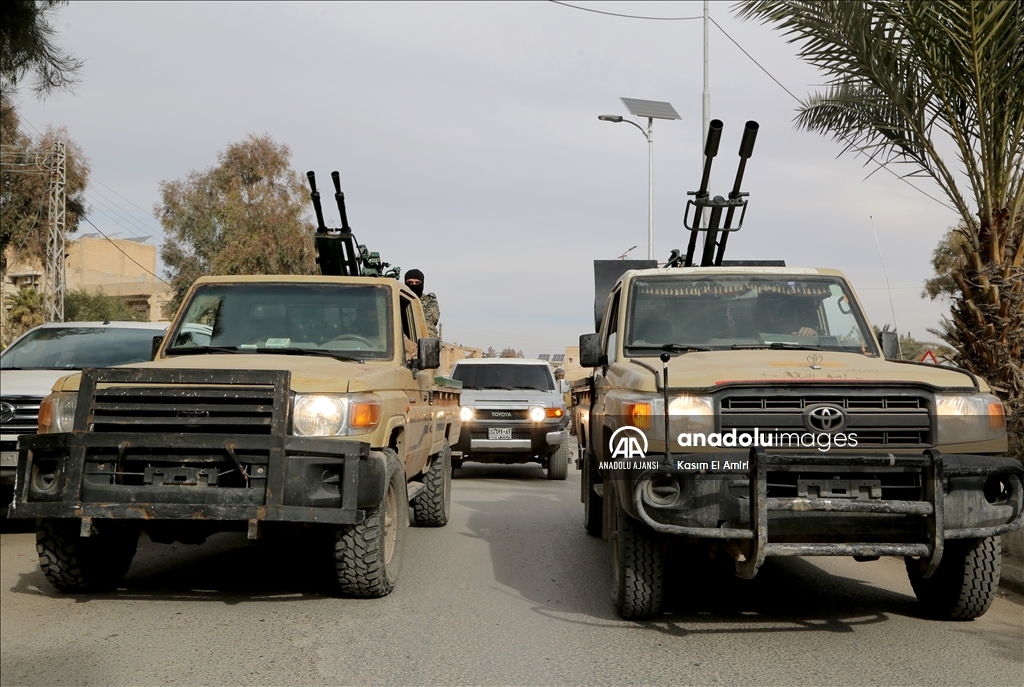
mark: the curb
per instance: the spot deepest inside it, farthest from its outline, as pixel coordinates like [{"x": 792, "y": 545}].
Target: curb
[{"x": 1012, "y": 575}]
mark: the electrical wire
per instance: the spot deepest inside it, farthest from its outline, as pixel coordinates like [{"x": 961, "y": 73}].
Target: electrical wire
[
  {"x": 625, "y": 16},
  {"x": 122, "y": 251}
]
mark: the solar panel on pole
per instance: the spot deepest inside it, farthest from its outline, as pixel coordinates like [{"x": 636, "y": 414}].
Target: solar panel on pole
[{"x": 654, "y": 109}]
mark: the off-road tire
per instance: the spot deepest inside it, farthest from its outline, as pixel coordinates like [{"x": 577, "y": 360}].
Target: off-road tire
[
  {"x": 558, "y": 462},
  {"x": 965, "y": 583},
  {"x": 638, "y": 568},
  {"x": 76, "y": 564},
  {"x": 433, "y": 505},
  {"x": 593, "y": 505},
  {"x": 362, "y": 565}
]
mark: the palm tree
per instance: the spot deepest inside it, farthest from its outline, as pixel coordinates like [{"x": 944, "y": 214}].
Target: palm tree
[
  {"x": 24, "y": 311},
  {"x": 907, "y": 80}
]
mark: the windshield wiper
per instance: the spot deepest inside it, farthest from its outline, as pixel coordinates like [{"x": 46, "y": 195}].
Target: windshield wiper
[
  {"x": 307, "y": 351},
  {"x": 674, "y": 348},
  {"x": 503, "y": 388},
  {"x": 192, "y": 350},
  {"x": 779, "y": 346}
]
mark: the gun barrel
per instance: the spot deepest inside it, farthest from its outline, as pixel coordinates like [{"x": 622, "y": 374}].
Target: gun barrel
[
  {"x": 314, "y": 195},
  {"x": 710, "y": 151},
  {"x": 340, "y": 198},
  {"x": 749, "y": 135}
]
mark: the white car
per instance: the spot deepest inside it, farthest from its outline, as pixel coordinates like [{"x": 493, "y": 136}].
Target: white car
[{"x": 33, "y": 362}]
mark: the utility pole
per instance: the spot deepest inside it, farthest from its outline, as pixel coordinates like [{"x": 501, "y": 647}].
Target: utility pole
[
  {"x": 706, "y": 104},
  {"x": 54, "y": 269}
]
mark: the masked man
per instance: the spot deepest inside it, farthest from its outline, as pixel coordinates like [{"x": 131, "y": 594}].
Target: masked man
[{"x": 431, "y": 311}]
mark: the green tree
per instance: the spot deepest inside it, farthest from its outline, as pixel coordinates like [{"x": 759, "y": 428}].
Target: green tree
[
  {"x": 82, "y": 306},
  {"x": 24, "y": 310},
  {"x": 27, "y": 47},
  {"x": 244, "y": 216},
  {"x": 24, "y": 185},
  {"x": 907, "y": 80}
]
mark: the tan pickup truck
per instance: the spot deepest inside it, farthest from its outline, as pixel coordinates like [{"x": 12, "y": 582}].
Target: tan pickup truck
[
  {"x": 274, "y": 405},
  {"x": 790, "y": 433}
]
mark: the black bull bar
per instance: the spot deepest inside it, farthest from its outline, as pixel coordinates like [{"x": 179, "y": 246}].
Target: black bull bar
[
  {"x": 285, "y": 476},
  {"x": 755, "y": 547}
]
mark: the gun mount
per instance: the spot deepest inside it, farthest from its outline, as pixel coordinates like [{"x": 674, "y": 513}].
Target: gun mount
[
  {"x": 702, "y": 201},
  {"x": 337, "y": 251}
]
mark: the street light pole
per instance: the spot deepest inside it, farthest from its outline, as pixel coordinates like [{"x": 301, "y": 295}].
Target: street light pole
[
  {"x": 649, "y": 135},
  {"x": 652, "y": 109}
]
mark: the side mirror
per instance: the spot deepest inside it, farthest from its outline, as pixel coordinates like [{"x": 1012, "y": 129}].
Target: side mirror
[
  {"x": 563, "y": 386},
  {"x": 590, "y": 350},
  {"x": 157, "y": 341},
  {"x": 429, "y": 353},
  {"x": 890, "y": 344}
]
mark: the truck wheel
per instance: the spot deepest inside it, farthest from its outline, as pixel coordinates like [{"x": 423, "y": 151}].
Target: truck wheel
[
  {"x": 432, "y": 506},
  {"x": 637, "y": 568},
  {"x": 558, "y": 462},
  {"x": 76, "y": 564},
  {"x": 368, "y": 556},
  {"x": 966, "y": 581},
  {"x": 593, "y": 505}
]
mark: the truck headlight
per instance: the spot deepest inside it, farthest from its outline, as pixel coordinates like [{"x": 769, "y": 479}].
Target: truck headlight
[
  {"x": 327, "y": 415},
  {"x": 537, "y": 414},
  {"x": 967, "y": 418},
  {"x": 466, "y": 414},
  {"x": 57, "y": 412}
]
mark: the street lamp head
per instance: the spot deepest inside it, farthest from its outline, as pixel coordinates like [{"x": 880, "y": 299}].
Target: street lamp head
[{"x": 610, "y": 118}]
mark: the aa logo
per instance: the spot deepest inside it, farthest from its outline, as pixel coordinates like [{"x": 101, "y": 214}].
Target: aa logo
[{"x": 628, "y": 442}]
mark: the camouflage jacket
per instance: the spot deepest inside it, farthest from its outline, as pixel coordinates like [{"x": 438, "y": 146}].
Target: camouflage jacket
[{"x": 431, "y": 312}]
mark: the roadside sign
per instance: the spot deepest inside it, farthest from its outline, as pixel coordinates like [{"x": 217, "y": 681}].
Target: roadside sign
[{"x": 929, "y": 358}]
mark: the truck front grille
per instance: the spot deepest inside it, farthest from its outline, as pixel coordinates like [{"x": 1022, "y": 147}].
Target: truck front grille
[
  {"x": 193, "y": 409},
  {"x": 26, "y": 414},
  {"x": 887, "y": 418},
  {"x": 514, "y": 414}
]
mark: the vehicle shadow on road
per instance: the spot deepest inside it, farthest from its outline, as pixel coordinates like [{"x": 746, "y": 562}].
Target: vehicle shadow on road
[
  {"x": 227, "y": 568},
  {"x": 522, "y": 472},
  {"x": 539, "y": 549}
]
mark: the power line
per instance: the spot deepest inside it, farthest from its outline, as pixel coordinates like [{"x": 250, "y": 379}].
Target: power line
[
  {"x": 625, "y": 16},
  {"x": 853, "y": 145},
  {"x": 122, "y": 251}
]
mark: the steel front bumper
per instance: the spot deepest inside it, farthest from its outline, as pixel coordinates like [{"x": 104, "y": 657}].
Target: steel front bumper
[
  {"x": 956, "y": 499},
  {"x": 538, "y": 439},
  {"x": 290, "y": 479}
]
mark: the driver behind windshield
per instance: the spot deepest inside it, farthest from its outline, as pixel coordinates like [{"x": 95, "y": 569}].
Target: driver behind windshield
[{"x": 786, "y": 316}]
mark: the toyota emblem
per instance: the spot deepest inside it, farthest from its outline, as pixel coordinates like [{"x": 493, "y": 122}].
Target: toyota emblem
[
  {"x": 825, "y": 418},
  {"x": 6, "y": 412},
  {"x": 815, "y": 360}
]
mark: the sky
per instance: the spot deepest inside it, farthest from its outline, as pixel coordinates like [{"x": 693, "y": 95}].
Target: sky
[{"x": 467, "y": 139}]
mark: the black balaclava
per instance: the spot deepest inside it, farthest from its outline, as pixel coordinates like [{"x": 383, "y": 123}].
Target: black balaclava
[{"x": 415, "y": 274}]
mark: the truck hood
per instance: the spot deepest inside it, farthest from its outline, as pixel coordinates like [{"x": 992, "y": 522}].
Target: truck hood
[
  {"x": 29, "y": 382},
  {"x": 309, "y": 373},
  {"x": 711, "y": 369},
  {"x": 525, "y": 397}
]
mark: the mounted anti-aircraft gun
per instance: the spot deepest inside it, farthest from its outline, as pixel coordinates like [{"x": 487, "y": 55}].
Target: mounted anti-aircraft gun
[
  {"x": 337, "y": 251},
  {"x": 702, "y": 201}
]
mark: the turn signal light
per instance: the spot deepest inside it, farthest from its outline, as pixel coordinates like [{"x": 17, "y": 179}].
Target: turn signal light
[
  {"x": 363, "y": 414},
  {"x": 638, "y": 414},
  {"x": 996, "y": 416},
  {"x": 554, "y": 412}
]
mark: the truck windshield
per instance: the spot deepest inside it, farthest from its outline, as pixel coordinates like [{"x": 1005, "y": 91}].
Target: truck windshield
[
  {"x": 499, "y": 376},
  {"x": 73, "y": 348},
  {"x": 736, "y": 311},
  {"x": 350, "y": 319}
]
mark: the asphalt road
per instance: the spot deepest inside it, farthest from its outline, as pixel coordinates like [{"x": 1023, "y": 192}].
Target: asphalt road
[{"x": 512, "y": 591}]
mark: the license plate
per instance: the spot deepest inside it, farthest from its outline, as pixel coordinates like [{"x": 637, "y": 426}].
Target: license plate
[
  {"x": 9, "y": 459},
  {"x": 495, "y": 433}
]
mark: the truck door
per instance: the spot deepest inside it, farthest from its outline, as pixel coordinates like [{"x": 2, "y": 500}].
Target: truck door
[
  {"x": 609, "y": 349},
  {"x": 419, "y": 425}
]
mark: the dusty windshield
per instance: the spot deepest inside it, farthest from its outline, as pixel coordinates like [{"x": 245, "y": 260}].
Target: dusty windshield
[
  {"x": 500, "y": 376},
  {"x": 734, "y": 311},
  {"x": 344, "y": 319}
]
